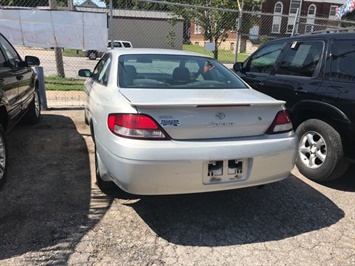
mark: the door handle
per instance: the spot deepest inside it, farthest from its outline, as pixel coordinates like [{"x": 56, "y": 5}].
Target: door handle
[
  {"x": 300, "y": 91},
  {"x": 259, "y": 84},
  {"x": 19, "y": 77}
]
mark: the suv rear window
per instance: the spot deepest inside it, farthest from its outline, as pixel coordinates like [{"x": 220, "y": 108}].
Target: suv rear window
[{"x": 342, "y": 66}]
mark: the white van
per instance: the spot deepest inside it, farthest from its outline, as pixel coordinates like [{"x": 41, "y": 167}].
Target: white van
[{"x": 117, "y": 44}]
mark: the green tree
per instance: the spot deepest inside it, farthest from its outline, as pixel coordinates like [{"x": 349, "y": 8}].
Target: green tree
[
  {"x": 216, "y": 23},
  {"x": 135, "y": 4},
  {"x": 30, "y": 3}
]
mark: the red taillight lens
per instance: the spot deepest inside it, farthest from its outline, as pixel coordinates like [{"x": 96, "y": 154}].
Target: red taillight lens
[
  {"x": 281, "y": 123},
  {"x": 135, "y": 126}
]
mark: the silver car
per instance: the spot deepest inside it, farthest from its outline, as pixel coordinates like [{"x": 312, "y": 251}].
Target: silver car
[{"x": 171, "y": 122}]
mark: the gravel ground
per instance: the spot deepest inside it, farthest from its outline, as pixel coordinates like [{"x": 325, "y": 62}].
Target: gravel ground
[{"x": 52, "y": 213}]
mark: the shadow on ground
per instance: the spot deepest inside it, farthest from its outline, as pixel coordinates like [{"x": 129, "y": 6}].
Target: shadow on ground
[
  {"x": 346, "y": 182},
  {"x": 278, "y": 211},
  {"x": 46, "y": 203}
]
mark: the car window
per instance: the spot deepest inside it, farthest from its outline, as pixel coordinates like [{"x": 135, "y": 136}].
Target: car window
[
  {"x": 264, "y": 59},
  {"x": 2, "y": 59},
  {"x": 342, "y": 65},
  {"x": 301, "y": 59},
  {"x": 127, "y": 44},
  {"x": 117, "y": 45},
  {"x": 174, "y": 71},
  {"x": 101, "y": 71},
  {"x": 11, "y": 54}
]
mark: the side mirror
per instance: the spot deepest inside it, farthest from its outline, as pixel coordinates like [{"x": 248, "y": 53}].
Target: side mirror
[
  {"x": 86, "y": 73},
  {"x": 237, "y": 67},
  {"x": 32, "y": 60}
]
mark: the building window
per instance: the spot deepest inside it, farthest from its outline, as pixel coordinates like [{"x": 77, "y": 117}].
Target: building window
[
  {"x": 332, "y": 12},
  {"x": 295, "y": 4},
  {"x": 312, "y": 10},
  {"x": 276, "y": 20},
  {"x": 310, "y": 18},
  {"x": 197, "y": 29},
  {"x": 289, "y": 28}
]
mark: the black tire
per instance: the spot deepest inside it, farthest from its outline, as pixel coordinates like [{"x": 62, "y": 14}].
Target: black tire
[
  {"x": 92, "y": 55},
  {"x": 87, "y": 122},
  {"x": 102, "y": 184},
  {"x": 33, "y": 114},
  {"x": 320, "y": 154},
  {"x": 3, "y": 156}
]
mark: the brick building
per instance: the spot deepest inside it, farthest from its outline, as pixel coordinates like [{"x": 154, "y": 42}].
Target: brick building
[{"x": 314, "y": 15}]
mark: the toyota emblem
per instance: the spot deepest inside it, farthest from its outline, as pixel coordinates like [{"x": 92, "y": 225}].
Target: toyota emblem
[{"x": 220, "y": 115}]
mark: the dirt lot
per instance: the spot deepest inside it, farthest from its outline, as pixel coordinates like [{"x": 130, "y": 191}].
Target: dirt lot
[{"x": 52, "y": 213}]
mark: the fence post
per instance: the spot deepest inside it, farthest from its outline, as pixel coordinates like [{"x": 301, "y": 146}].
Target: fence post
[
  {"x": 111, "y": 24},
  {"x": 238, "y": 30},
  {"x": 41, "y": 87}
]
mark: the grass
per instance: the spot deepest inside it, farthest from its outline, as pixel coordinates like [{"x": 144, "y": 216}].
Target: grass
[
  {"x": 72, "y": 52},
  {"x": 224, "y": 56},
  {"x": 57, "y": 83}
]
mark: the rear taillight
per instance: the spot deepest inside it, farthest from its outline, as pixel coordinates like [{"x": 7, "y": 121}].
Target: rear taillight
[
  {"x": 281, "y": 123},
  {"x": 135, "y": 126}
]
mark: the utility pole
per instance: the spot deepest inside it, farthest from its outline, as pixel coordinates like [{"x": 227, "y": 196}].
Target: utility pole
[
  {"x": 57, "y": 50},
  {"x": 111, "y": 24},
  {"x": 240, "y": 7}
]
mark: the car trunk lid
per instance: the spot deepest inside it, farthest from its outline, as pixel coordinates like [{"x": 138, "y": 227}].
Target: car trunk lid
[{"x": 206, "y": 114}]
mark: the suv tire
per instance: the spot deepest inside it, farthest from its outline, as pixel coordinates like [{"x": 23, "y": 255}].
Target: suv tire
[
  {"x": 320, "y": 152},
  {"x": 3, "y": 156},
  {"x": 34, "y": 110}
]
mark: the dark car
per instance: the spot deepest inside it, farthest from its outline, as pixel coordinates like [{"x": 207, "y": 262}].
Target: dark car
[
  {"x": 19, "y": 98},
  {"x": 315, "y": 75}
]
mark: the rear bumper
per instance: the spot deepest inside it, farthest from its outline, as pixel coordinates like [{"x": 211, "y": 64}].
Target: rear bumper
[{"x": 177, "y": 167}]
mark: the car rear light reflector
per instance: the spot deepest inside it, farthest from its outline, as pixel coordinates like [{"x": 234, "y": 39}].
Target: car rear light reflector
[
  {"x": 282, "y": 123},
  {"x": 135, "y": 126}
]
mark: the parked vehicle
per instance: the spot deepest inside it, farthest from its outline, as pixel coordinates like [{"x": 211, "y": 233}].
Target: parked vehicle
[
  {"x": 168, "y": 122},
  {"x": 314, "y": 74},
  {"x": 117, "y": 44},
  {"x": 19, "y": 98}
]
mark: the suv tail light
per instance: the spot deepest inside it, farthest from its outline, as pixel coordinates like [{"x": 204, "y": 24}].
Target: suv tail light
[
  {"x": 135, "y": 126},
  {"x": 282, "y": 123}
]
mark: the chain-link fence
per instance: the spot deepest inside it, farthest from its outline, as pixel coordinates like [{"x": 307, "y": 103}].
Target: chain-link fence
[{"x": 166, "y": 25}]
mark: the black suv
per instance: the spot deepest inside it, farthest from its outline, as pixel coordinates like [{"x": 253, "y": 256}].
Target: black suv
[
  {"x": 315, "y": 75},
  {"x": 19, "y": 96}
]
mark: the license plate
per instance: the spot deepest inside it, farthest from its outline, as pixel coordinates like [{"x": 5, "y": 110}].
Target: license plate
[{"x": 216, "y": 172}]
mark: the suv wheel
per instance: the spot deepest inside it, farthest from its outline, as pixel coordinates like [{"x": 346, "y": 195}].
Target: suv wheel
[
  {"x": 3, "y": 156},
  {"x": 34, "y": 110},
  {"x": 92, "y": 55},
  {"x": 320, "y": 151}
]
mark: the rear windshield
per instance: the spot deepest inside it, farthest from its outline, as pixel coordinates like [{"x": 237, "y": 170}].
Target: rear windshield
[{"x": 174, "y": 71}]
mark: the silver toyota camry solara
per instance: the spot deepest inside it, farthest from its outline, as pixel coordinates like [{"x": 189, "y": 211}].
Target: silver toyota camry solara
[{"x": 171, "y": 122}]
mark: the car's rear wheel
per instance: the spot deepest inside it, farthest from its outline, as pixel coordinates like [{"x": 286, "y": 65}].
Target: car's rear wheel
[
  {"x": 34, "y": 109},
  {"x": 3, "y": 156},
  {"x": 87, "y": 122},
  {"x": 320, "y": 151},
  {"x": 92, "y": 55},
  {"x": 102, "y": 184}
]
